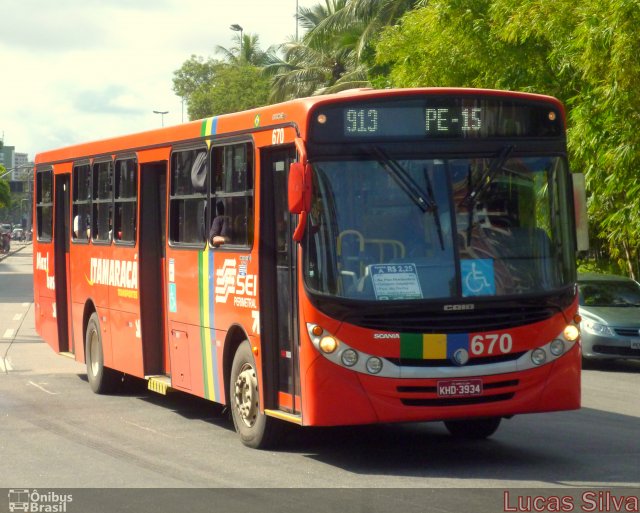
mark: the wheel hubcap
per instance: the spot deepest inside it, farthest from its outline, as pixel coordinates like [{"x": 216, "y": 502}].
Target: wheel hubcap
[{"x": 246, "y": 395}]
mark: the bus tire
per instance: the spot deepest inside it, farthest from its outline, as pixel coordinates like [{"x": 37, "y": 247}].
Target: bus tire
[
  {"x": 473, "y": 429},
  {"x": 256, "y": 429},
  {"x": 101, "y": 379}
]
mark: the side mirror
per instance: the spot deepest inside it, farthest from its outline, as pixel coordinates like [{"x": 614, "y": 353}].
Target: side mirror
[
  {"x": 300, "y": 192},
  {"x": 299, "y": 188},
  {"x": 580, "y": 210}
]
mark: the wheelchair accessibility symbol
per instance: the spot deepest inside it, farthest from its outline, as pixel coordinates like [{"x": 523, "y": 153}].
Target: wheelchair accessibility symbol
[{"x": 478, "y": 278}]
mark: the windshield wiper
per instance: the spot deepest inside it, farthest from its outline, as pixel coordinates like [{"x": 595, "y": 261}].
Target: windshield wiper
[
  {"x": 482, "y": 184},
  {"x": 424, "y": 200},
  {"x": 487, "y": 177}
]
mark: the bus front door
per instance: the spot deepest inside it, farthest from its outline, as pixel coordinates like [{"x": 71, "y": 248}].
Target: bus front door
[
  {"x": 152, "y": 255},
  {"x": 278, "y": 289}
]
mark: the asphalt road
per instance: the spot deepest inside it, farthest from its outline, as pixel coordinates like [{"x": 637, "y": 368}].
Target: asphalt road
[{"x": 55, "y": 433}]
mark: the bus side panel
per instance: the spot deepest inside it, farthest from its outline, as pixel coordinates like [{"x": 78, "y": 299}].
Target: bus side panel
[
  {"x": 124, "y": 303},
  {"x": 233, "y": 299},
  {"x": 89, "y": 285},
  {"x": 187, "y": 336}
]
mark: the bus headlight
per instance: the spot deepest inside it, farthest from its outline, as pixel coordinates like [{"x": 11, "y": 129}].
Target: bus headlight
[
  {"x": 538, "y": 356},
  {"x": 571, "y": 333},
  {"x": 349, "y": 358},
  {"x": 374, "y": 365},
  {"x": 556, "y": 347},
  {"x": 328, "y": 344}
]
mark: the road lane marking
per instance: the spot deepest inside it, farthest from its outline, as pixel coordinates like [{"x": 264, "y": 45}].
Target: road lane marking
[
  {"x": 147, "y": 429},
  {"x": 42, "y": 388},
  {"x": 9, "y": 333},
  {"x": 5, "y": 365},
  {"x": 17, "y": 317},
  {"x": 25, "y": 304}
]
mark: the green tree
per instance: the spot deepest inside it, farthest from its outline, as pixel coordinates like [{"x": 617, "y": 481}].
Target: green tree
[
  {"x": 321, "y": 61},
  {"x": 192, "y": 80},
  {"x": 337, "y": 51},
  {"x": 249, "y": 46},
  {"x": 213, "y": 87},
  {"x": 236, "y": 88},
  {"x": 584, "y": 52},
  {"x": 5, "y": 191}
]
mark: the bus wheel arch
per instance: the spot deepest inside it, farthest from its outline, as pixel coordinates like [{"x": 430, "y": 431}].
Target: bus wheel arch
[
  {"x": 89, "y": 310},
  {"x": 235, "y": 336},
  {"x": 102, "y": 380}
]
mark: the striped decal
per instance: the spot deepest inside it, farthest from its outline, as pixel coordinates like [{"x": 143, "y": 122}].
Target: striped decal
[
  {"x": 209, "y": 126},
  {"x": 210, "y": 373},
  {"x": 210, "y": 370},
  {"x": 437, "y": 346}
]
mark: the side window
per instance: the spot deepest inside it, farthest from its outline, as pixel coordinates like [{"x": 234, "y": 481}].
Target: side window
[
  {"x": 102, "y": 225},
  {"x": 188, "y": 197},
  {"x": 81, "y": 202},
  {"x": 44, "y": 205},
  {"x": 126, "y": 200},
  {"x": 232, "y": 195}
]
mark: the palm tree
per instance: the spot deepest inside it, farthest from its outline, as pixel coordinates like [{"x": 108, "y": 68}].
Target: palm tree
[
  {"x": 371, "y": 15},
  {"x": 251, "y": 51},
  {"x": 332, "y": 55},
  {"x": 316, "y": 63}
]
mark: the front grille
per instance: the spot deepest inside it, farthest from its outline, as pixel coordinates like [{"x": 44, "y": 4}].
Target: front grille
[
  {"x": 434, "y": 322},
  {"x": 627, "y": 332},
  {"x": 617, "y": 351},
  {"x": 453, "y": 315},
  {"x": 405, "y": 362},
  {"x": 459, "y": 401}
]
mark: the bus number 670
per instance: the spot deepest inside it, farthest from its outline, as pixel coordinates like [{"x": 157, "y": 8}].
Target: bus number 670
[{"x": 491, "y": 343}]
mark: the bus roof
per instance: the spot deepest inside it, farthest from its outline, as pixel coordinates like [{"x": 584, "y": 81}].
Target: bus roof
[{"x": 251, "y": 120}]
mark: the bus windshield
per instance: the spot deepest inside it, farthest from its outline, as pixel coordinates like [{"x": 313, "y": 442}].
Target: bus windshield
[{"x": 390, "y": 228}]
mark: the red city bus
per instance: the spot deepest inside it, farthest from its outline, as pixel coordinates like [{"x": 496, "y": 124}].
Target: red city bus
[{"x": 364, "y": 257}]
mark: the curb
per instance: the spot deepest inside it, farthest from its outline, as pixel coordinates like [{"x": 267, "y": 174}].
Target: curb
[{"x": 12, "y": 251}]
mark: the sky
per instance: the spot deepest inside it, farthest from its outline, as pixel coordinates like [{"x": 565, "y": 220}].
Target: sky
[{"x": 79, "y": 70}]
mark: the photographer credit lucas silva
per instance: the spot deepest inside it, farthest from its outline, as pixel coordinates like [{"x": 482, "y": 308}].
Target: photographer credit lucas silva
[{"x": 591, "y": 501}]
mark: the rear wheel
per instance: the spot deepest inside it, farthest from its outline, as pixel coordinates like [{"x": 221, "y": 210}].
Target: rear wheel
[
  {"x": 255, "y": 429},
  {"x": 101, "y": 379},
  {"x": 473, "y": 429}
]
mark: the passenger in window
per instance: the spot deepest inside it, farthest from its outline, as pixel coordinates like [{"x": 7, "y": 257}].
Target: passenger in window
[
  {"x": 77, "y": 231},
  {"x": 220, "y": 232}
]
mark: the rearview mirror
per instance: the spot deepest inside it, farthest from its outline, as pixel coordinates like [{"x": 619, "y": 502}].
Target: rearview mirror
[
  {"x": 299, "y": 188},
  {"x": 300, "y": 195}
]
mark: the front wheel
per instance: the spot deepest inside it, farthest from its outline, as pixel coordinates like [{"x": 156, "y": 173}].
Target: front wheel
[
  {"x": 473, "y": 429},
  {"x": 256, "y": 430},
  {"x": 101, "y": 379}
]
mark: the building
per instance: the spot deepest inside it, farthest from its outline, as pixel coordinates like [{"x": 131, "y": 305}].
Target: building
[
  {"x": 8, "y": 157},
  {"x": 22, "y": 167}
]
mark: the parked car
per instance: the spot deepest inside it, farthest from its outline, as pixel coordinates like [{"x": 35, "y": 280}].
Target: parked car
[
  {"x": 610, "y": 310},
  {"x": 17, "y": 234}
]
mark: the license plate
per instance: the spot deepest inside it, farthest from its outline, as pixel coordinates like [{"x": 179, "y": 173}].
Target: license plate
[
  {"x": 635, "y": 344},
  {"x": 459, "y": 387}
]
